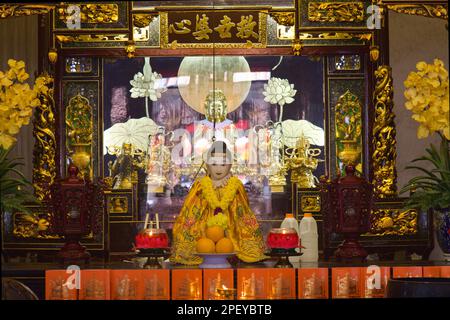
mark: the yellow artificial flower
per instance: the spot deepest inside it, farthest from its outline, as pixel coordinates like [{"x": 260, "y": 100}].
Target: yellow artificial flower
[
  {"x": 427, "y": 96},
  {"x": 17, "y": 100},
  {"x": 6, "y": 141}
]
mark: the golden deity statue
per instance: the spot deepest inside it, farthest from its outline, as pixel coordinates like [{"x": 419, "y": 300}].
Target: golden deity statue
[
  {"x": 302, "y": 163},
  {"x": 216, "y": 106},
  {"x": 123, "y": 169},
  {"x": 218, "y": 193}
]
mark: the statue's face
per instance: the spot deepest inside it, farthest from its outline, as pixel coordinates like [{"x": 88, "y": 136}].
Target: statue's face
[
  {"x": 126, "y": 149},
  {"x": 216, "y": 110},
  {"x": 218, "y": 166}
]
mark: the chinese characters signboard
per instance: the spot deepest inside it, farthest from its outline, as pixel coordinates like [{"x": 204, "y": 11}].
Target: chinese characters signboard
[{"x": 207, "y": 29}]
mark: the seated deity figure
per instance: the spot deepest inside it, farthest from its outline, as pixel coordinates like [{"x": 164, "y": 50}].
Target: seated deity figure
[
  {"x": 216, "y": 124},
  {"x": 122, "y": 168},
  {"x": 218, "y": 192}
]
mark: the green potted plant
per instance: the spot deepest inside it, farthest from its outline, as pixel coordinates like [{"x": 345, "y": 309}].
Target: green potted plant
[{"x": 427, "y": 94}]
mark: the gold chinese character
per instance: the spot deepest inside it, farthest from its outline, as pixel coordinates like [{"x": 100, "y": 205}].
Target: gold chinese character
[
  {"x": 181, "y": 27},
  {"x": 201, "y": 28},
  {"x": 245, "y": 28},
  {"x": 224, "y": 27}
]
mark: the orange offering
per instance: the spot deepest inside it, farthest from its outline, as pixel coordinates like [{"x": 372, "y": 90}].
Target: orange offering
[
  {"x": 215, "y": 233},
  {"x": 205, "y": 245},
  {"x": 224, "y": 245}
]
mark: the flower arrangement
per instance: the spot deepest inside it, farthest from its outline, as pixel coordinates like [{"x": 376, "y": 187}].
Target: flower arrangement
[
  {"x": 17, "y": 101},
  {"x": 427, "y": 94},
  {"x": 228, "y": 193},
  {"x": 279, "y": 91}
]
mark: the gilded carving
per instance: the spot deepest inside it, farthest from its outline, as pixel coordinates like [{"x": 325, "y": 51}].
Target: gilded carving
[
  {"x": 15, "y": 10},
  {"x": 92, "y": 38},
  {"x": 384, "y": 142},
  {"x": 142, "y": 20},
  {"x": 384, "y": 222},
  {"x": 310, "y": 203},
  {"x": 348, "y": 129},
  {"x": 92, "y": 13},
  {"x": 336, "y": 11},
  {"x": 284, "y": 18},
  {"x": 44, "y": 166},
  {"x": 79, "y": 127},
  {"x": 426, "y": 10},
  {"x": 32, "y": 225}
]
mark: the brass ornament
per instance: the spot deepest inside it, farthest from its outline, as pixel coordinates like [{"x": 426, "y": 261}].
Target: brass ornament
[
  {"x": 384, "y": 222},
  {"x": 284, "y": 18},
  {"x": 348, "y": 128},
  {"x": 297, "y": 47},
  {"x": 92, "y": 13},
  {"x": 16, "y": 10},
  {"x": 53, "y": 55},
  {"x": 44, "y": 150},
  {"x": 425, "y": 10},
  {"x": 130, "y": 49},
  {"x": 79, "y": 129},
  {"x": 383, "y": 141},
  {"x": 374, "y": 53},
  {"x": 336, "y": 11}
]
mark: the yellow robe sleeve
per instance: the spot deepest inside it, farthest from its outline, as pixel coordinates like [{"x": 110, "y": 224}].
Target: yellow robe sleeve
[
  {"x": 189, "y": 227},
  {"x": 244, "y": 230}
]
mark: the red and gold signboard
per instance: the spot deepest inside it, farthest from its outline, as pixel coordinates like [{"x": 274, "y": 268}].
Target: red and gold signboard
[
  {"x": 95, "y": 285},
  {"x": 407, "y": 272},
  {"x": 127, "y": 285},
  {"x": 156, "y": 284},
  {"x": 374, "y": 281},
  {"x": 346, "y": 282},
  {"x": 187, "y": 284},
  {"x": 219, "y": 29},
  {"x": 218, "y": 284},
  {"x": 313, "y": 283},
  {"x": 56, "y": 285},
  {"x": 445, "y": 272},
  {"x": 431, "y": 272},
  {"x": 251, "y": 284},
  {"x": 281, "y": 283}
]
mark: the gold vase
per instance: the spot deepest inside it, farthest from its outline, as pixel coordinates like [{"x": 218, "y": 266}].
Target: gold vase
[
  {"x": 351, "y": 152},
  {"x": 81, "y": 157}
]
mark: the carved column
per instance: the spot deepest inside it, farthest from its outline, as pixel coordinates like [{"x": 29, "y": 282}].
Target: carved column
[
  {"x": 384, "y": 142},
  {"x": 44, "y": 166}
]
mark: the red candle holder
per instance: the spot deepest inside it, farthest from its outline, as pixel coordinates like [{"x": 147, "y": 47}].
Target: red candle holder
[
  {"x": 152, "y": 239},
  {"x": 283, "y": 238}
]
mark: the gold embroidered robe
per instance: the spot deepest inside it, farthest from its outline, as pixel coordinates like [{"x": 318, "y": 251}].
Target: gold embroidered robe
[{"x": 190, "y": 225}]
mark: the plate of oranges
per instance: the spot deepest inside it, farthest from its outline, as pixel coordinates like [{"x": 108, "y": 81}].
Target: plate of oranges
[{"x": 215, "y": 248}]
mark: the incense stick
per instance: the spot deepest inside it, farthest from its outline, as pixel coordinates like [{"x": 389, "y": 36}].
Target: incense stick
[
  {"x": 147, "y": 216},
  {"x": 157, "y": 221}
]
